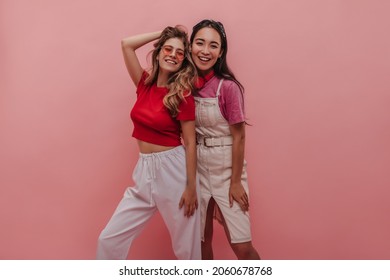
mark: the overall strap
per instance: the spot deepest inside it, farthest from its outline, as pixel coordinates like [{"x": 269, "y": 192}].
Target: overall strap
[{"x": 219, "y": 87}]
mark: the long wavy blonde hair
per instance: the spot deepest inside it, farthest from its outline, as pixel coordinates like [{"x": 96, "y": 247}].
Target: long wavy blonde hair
[{"x": 180, "y": 83}]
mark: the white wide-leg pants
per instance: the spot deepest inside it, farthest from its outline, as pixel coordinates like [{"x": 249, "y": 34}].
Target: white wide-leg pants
[{"x": 160, "y": 179}]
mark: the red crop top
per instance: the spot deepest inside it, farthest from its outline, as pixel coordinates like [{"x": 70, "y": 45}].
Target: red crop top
[{"x": 152, "y": 120}]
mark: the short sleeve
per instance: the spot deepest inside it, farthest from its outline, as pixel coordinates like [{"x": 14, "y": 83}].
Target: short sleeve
[
  {"x": 232, "y": 103},
  {"x": 141, "y": 83},
  {"x": 187, "y": 109}
]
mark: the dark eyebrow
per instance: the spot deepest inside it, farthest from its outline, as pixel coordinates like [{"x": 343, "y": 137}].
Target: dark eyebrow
[{"x": 203, "y": 40}]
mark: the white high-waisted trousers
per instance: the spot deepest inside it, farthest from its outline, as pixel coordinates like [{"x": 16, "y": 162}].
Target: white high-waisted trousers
[{"x": 160, "y": 179}]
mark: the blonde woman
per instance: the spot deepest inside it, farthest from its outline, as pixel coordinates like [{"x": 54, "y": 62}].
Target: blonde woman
[{"x": 165, "y": 174}]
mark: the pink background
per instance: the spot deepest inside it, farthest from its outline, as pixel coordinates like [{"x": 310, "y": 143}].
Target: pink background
[{"x": 317, "y": 93}]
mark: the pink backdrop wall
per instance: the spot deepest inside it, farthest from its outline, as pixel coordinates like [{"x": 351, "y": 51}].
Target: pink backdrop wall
[{"x": 317, "y": 95}]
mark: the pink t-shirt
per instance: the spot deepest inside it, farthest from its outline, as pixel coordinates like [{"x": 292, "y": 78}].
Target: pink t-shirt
[{"x": 230, "y": 99}]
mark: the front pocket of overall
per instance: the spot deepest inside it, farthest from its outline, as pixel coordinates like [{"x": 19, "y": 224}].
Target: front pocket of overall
[{"x": 207, "y": 114}]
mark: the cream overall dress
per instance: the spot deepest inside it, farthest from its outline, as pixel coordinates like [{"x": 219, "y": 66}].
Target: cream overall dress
[{"x": 215, "y": 167}]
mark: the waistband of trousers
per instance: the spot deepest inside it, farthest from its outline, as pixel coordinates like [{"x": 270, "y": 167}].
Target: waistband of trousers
[
  {"x": 173, "y": 151},
  {"x": 214, "y": 141}
]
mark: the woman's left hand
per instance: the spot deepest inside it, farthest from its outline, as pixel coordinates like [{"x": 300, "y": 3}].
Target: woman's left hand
[
  {"x": 189, "y": 200},
  {"x": 237, "y": 193}
]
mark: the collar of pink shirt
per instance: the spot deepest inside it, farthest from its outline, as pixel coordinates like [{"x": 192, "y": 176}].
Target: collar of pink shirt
[{"x": 202, "y": 80}]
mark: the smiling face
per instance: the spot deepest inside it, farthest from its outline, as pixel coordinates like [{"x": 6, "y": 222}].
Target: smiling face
[
  {"x": 206, "y": 49},
  {"x": 171, "y": 55}
]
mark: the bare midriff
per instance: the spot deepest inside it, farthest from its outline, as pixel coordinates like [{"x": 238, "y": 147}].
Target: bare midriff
[{"x": 147, "y": 148}]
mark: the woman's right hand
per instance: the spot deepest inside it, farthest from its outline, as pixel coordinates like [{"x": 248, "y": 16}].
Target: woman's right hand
[{"x": 129, "y": 45}]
